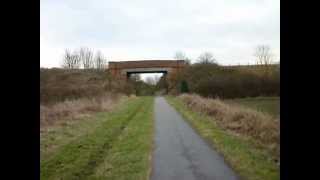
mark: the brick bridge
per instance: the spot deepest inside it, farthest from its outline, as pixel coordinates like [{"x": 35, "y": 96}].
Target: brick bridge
[{"x": 123, "y": 69}]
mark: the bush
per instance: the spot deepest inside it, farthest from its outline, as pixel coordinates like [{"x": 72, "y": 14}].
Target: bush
[
  {"x": 184, "y": 87},
  {"x": 211, "y": 80}
]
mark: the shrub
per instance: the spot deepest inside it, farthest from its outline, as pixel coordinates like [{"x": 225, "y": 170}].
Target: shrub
[
  {"x": 184, "y": 87},
  {"x": 233, "y": 82}
]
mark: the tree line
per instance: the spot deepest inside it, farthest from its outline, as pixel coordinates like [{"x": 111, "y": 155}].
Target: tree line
[{"x": 83, "y": 58}]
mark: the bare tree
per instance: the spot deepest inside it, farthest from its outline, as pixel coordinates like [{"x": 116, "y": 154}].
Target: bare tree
[
  {"x": 263, "y": 55},
  {"x": 71, "y": 60},
  {"x": 207, "y": 58},
  {"x": 66, "y": 61},
  {"x": 99, "y": 61},
  {"x": 179, "y": 55},
  {"x": 86, "y": 57},
  {"x": 75, "y": 60}
]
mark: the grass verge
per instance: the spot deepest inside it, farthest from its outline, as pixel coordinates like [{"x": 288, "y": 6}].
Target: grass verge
[
  {"x": 115, "y": 145},
  {"x": 67, "y": 129},
  {"x": 248, "y": 160},
  {"x": 270, "y": 105}
]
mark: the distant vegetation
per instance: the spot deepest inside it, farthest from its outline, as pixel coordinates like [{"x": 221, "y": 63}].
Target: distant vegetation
[
  {"x": 207, "y": 78},
  {"x": 212, "y": 80},
  {"x": 62, "y": 84},
  {"x": 84, "y": 75},
  {"x": 67, "y": 84}
]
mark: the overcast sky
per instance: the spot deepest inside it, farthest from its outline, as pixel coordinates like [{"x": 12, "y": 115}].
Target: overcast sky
[{"x": 150, "y": 29}]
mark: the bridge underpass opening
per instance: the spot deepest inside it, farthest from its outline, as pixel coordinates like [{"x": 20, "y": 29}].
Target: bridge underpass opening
[
  {"x": 146, "y": 76},
  {"x": 122, "y": 70},
  {"x": 157, "y": 80}
]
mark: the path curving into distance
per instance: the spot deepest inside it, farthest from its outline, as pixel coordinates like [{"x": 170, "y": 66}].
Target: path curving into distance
[{"x": 180, "y": 153}]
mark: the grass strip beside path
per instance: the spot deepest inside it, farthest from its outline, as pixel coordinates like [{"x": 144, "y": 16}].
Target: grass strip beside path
[
  {"x": 247, "y": 160},
  {"x": 55, "y": 137},
  {"x": 269, "y": 105},
  {"x": 91, "y": 156}
]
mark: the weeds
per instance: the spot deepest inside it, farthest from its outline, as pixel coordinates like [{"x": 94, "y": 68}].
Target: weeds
[
  {"x": 75, "y": 109},
  {"x": 262, "y": 128}
]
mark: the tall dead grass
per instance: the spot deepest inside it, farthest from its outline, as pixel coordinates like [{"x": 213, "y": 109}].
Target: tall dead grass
[
  {"x": 262, "y": 128},
  {"x": 75, "y": 109}
]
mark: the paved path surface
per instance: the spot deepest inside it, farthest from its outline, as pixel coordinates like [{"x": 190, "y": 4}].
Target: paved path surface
[{"x": 180, "y": 153}]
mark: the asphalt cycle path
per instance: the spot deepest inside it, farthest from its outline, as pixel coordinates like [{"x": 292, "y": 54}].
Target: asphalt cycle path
[{"x": 180, "y": 153}]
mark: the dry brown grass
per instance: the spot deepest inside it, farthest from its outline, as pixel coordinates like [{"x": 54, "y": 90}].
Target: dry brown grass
[
  {"x": 239, "y": 120},
  {"x": 76, "y": 109}
]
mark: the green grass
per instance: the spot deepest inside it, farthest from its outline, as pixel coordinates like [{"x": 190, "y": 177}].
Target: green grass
[
  {"x": 269, "y": 105},
  {"x": 249, "y": 161},
  {"x": 112, "y": 145}
]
